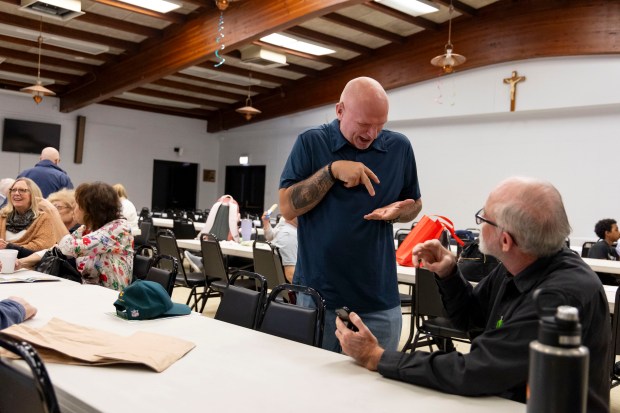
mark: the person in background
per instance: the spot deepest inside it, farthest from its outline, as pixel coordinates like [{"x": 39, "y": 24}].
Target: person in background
[
  {"x": 103, "y": 246},
  {"x": 128, "y": 209},
  {"x": 15, "y": 310},
  {"x": 524, "y": 225},
  {"x": 47, "y": 174},
  {"x": 608, "y": 234},
  {"x": 5, "y": 184},
  {"x": 64, "y": 202},
  {"x": 348, "y": 181},
  {"x": 23, "y": 226},
  {"x": 283, "y": 236}
]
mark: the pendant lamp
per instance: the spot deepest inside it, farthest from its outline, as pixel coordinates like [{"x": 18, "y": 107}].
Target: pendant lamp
[
  {"x": 38, "y": 90},
  {"x": 248, "y": 111},
  {"x": 448, "y": 60}
]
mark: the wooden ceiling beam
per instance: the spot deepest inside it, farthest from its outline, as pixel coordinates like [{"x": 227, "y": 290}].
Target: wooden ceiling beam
[
  {"x": 66, "y": 32},
  {"x": 122, "y": 25},
  {"x": 460, "y": 7},
  {"x": 45, "y": 60},
  {"x": 179, "y": 98},
  {"x": 129, "y": 104},
  {"x": 103, "y": 57},
  {"x": 32, "y": 71},
  {"x": 327, "y": 40},
  {"x": 216, "y": 83},
  {"x": 197, "y": 89},
  {"x": 193, "y": 43},
  {"x": 503, "y": 32},
  {"x": 364, "y": 28}
]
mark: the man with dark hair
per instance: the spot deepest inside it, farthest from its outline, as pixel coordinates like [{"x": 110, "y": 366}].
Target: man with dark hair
[
  {"x": 524, "y": 225},
  {"x": 607, "y": 232},
  {"x": 47, "y": 174}
]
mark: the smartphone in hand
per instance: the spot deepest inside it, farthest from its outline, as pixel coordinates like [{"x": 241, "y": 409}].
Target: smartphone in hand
[{"x": 343, "y": 314}]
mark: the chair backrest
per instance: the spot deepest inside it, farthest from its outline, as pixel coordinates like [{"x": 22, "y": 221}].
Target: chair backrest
[
  {"x": 400, "y": 235},
  {"x": 141, "y": 265},
  {"x": 213, "y": 262},
  {"x": 145, "y": 233},
  {"x": 183, "y": 229},
  {"x": 585, "y": 248},
  {"x": 167, "y": 245},
  {"x": 268, "y": 263},
  {"x": 242, "y": 306},
  {"x": 427, "y": 297},
  {"x": 293, "y": 322},
  {"x": 22, "y": 392},
  {"x": 164, "y": 276}
]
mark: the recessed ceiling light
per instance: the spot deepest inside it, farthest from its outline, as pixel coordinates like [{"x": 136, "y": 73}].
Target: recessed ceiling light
[
  {"x": 160, "y": 6},
  {"x": 294, "y": 44},
  {"x": 412, "y": 7}
]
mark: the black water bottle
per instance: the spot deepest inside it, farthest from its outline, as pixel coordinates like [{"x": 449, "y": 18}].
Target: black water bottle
[{"x": 558, "y": 371}]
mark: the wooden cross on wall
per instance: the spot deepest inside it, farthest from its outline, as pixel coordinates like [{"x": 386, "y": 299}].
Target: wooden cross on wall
[{"x": 512, "y": 81}]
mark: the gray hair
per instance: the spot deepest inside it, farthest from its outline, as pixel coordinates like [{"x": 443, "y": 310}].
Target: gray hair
[
  {"x": 5, "y": 184},
  {"x": 532, "y": 211}
]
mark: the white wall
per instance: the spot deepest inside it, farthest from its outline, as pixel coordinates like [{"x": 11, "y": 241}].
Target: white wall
[
  {"x": 119, "y": 146},
  {"x": 465, "y": 139}
]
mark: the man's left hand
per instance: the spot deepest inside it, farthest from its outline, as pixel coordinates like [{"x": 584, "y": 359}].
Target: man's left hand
[
  {"x": 390, "y": 212},
  {"x": 362, "y": 345}
]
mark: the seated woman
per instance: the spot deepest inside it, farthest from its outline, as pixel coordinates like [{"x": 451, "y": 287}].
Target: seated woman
[
  {"x": 128, "y": 210},
  {"x": 64, "y": 202},
  {"x": 103, "y": 246},
  {"x": 23, "y": 226}
]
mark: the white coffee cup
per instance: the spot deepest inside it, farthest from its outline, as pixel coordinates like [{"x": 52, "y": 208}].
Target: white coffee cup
[{"x": 8, "y": 258}]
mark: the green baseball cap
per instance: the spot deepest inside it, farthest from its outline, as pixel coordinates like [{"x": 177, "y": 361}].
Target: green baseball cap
[{"x": 145, "y": 300}]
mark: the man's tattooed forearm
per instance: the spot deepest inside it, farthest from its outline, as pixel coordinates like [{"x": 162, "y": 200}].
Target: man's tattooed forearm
[{"x": 308, "y": 193}]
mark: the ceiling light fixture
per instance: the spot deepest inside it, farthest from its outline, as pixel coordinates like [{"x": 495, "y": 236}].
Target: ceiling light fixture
[
  {"x": 55, "y": 9},
  {"x": 38, "y": 90},
  {"x": 411, "y": 7},
  {"x": 294, "y": 44},
  {"x": 160, "y": 6},
  {"x": 248, "y": 111},
  {"x": 448, "y": 60}
]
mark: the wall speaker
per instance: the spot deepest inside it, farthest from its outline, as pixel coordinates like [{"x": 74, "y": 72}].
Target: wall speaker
[{"x": 79, "y": 139}]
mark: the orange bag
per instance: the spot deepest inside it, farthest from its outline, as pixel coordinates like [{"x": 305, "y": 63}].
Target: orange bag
[{"x": 428, "y": 228}]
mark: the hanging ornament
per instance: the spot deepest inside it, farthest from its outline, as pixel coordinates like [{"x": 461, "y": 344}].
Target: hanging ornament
[
  {"x": 219, "y": 40},
  {"x": 448, "y": 60}
]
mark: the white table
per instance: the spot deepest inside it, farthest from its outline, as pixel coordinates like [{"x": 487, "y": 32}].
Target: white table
[
  {"x": 232, "y": 369},
  {"x": 168, "y": 223},
  {"x": 611, "y": 267}
]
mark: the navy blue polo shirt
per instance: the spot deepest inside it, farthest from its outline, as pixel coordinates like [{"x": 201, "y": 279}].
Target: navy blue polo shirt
[{"x": 349, "y": 260}]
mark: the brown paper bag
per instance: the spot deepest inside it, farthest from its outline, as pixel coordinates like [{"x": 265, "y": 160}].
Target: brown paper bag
[{"x": 62, "y": 342}]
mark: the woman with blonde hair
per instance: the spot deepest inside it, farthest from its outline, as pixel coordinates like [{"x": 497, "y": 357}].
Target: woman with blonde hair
[
  {"x": 23, "y": 223},
  {"x": 64, "y": 202},
  {"x": 128, "y": 209}
]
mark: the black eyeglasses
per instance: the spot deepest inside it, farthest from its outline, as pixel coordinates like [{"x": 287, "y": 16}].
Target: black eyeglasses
[{"x": 480, "y": 219}]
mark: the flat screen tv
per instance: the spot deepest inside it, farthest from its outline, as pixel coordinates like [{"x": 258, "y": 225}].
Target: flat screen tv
[{"x": 29, "y": 137}]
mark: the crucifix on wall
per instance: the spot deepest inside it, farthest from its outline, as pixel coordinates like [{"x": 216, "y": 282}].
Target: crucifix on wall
[{"x": 512, "y": 81}]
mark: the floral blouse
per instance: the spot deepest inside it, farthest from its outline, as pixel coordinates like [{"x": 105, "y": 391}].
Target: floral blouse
[{"x": 104, "y": 256}]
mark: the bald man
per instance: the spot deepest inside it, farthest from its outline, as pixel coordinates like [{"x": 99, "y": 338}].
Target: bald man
[
  {"x": 523, "y": 224},
  {"x": 47, "y": 174},
  {"x": 347, "y": 182}
]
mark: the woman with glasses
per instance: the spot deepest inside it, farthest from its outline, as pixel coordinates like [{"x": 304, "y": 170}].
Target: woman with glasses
[
  {"x": 64, "y": 202},
  {"x": 24, "y": 225}
]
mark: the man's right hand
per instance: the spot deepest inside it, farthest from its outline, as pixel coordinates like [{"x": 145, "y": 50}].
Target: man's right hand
[
  {"x": 354, "y": 174},
  {"x": 435, "y": 258}
]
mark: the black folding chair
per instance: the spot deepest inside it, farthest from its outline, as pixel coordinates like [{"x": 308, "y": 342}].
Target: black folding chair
[
  {"x": 165, "y": 277},
  {"x": 268, "y": 263},
  {"x": 23, "y": 392},
  {"x": 242, "y": 306},
  {"x": 142, "y": 262},
  {"x": 167, "y": 245},
  {"x": 431, "y": 322},
  {"x": 183, "y": 229},
  {"x": 291, "y": 321}
]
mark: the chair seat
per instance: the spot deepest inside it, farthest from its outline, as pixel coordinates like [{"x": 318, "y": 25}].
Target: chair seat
[
  {"x": 441, "y": 326},
  {"x": 193, "y": 279},
  {"x": 406, "y": 300}
]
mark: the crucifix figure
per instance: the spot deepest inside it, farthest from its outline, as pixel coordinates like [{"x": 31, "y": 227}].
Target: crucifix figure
[{"x": 512, "y": 81}]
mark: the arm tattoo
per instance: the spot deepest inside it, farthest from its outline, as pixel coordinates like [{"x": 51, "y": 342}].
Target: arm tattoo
[{"x": 306, "y": 194}]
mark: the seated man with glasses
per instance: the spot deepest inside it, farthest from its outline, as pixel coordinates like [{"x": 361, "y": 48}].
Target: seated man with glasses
[{"x": 524, "y": 225}]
